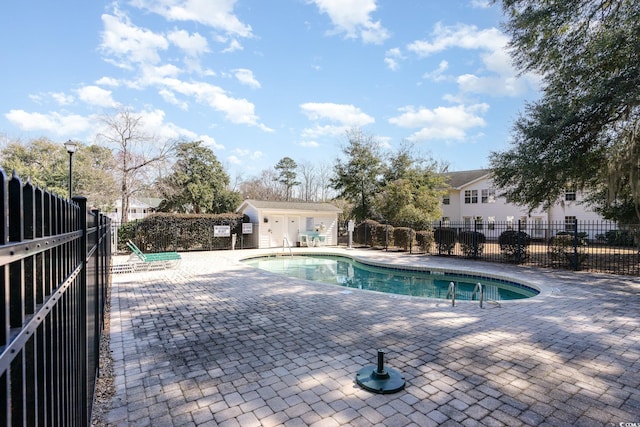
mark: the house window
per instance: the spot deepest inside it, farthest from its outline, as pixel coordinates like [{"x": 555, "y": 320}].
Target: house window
[
  {"x": 446, "y": 200},
  {"x": 309, "y": 223},
  {"x": 509, "y": 223},
  {"x": 488, "y": 195},
  {"x": 570, "y": 223},
  {"x": 445, "y": 221},
  {"x": 471, "y": 196},
  {"x": 570, "y": 195},
  {"x": 491, "y": 223}
]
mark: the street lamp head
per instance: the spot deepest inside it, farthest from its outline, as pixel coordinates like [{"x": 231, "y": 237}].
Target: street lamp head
[{"x": 70, "y": 146}]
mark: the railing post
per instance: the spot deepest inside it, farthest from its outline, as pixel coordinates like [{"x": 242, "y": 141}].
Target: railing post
[
  {"x": 475, "y": 240},
  {"x": 519, "y": 254},
  {"x": 411, "y": 238},
  {"x": 82, "y": 250},
  {"x": 575, "y": 244}
]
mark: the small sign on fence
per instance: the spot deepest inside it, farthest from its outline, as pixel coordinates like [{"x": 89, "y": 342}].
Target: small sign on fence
[
  {"x": 247, "y": 228},
  {"x": 221, "y": 231}
]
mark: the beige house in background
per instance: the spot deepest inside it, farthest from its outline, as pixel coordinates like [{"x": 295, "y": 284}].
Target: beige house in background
[
  {"x": 282, "y": 224},
  {"x": 472, "y": 198}
]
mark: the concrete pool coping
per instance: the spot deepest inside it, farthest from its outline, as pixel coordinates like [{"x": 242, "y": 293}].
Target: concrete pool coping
[{"x": 216, "y": 342}]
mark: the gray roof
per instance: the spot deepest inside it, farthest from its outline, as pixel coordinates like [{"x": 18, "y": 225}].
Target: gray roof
[
  {"x": 462, "y": 178},
  {"x": 299, "y": 206}
]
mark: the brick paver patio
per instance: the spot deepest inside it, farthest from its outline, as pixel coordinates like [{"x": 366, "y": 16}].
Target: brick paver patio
[{"x": 215, "y": 342}]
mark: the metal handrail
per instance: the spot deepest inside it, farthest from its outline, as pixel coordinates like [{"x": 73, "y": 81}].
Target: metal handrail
[
  {"x": 479, "y": 289},
  {"x": 452, "y": 293}
]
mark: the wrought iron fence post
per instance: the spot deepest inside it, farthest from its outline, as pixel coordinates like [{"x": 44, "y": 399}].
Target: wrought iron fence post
[
  {"x": 440, "y": 234},
  {"x": 386, "y": 235},
  {"x": 87, "y": 377},
  {"x": 475, "y": 239},
  {"x": 519, "y": 253},
  {"x": 411, "y": 238},
  {"x": 575, "y": 244}
]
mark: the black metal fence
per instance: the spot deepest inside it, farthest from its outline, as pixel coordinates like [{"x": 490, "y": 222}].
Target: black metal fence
[
  {"x": 578, "y": 245},
  {"x": 54, "y": 272}
]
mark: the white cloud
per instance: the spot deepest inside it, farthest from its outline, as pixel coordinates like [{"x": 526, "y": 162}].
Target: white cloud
[
  {"x": 241, "y": 155},
  {"x": 437, "y": 75},
  {"x": 246, "y": 77},
  {"x": 498, "y": 78},
  {"x": 495, "y": 86},
  {"x": 444, "y": 123},
  {"x": 462, "y": 36},
  {"x": 234, "y": 160},
  {"x": 94, "y": 95},
  {"x": 210, "y": 142},
  {"x": 309, "y": 144},
  {"x": 54, "y": 123},
  {"x": 236, "y": 110},
  {"x": 152, "y": 122},
  {"x": 391, "y": 58},
  {"x": 125, "y": 44},
  {"x": 342, "y": 116},
  {"x": 62, "y": 98},
  {"x": 481, "y": 4},
  {"x": 108, "y": 81},
  {"x": 343, "y": 113},
  {"x": 192, "y": 44},
  {"x": 217, "y": 14},
  {"x": 234, "y": 45},
  {"x": 353, "y": 17},
  {"x": 171, "y": 98}
]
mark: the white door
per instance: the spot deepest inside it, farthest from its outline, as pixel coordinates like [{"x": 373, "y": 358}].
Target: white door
[
  {"x": 293, "y": 227},
  {"x": 276, "y": 234}
]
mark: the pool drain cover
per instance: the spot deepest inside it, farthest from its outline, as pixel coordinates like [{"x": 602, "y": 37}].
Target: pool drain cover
[{"x": 378, "y": 379}]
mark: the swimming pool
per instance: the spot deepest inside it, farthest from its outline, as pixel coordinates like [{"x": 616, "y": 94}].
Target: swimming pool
[{"x": 345, "y": 271}]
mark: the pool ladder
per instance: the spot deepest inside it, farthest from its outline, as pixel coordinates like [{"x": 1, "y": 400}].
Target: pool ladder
[
  {"x": 478, "y": 290},
  {"x": 286, "y": 244}
]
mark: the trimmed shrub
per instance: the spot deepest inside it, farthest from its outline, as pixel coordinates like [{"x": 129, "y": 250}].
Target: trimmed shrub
[
  {"x": 126, "y": 232},
  {"x": 510, "y": 241},
  {"x": 425, "y": 239},
  {"x": 402, "y": 237},
  {"x": 366, "y": 232},
  {"x": 565, "y": 249},
  {"x": 619, "y": 238},
  {"x": 445, "y": 239},
  {"x": 472, "y": 243},
  {"x": 383, "y": 235}
]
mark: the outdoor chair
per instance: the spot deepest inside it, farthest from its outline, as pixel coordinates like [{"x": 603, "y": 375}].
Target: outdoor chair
[{"x": 153, "y": 261}]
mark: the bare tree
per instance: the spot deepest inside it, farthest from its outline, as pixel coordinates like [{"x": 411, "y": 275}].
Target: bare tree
[
  {"x": 324, "y": 174},
  {"x": 264, "y": 187},
  {"x": 135, "y": 151},
  {"x": 308, "y": 182}
]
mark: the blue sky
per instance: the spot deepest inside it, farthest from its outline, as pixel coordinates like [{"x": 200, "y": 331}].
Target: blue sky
[{"x": 260, "y": 80}]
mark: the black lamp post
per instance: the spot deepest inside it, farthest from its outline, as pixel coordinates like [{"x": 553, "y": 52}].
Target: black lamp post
[{"x": 71, "y": 148}]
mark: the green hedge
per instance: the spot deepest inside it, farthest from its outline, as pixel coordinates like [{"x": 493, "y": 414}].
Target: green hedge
[{"x": 180, "y": 232}]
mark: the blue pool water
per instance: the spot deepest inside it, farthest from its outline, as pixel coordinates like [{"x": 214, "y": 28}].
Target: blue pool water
[{"x": 353, "y": 274}]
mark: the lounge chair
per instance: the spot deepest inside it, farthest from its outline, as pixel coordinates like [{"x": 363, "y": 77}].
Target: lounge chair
[{"x": 155, "y": 260}]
